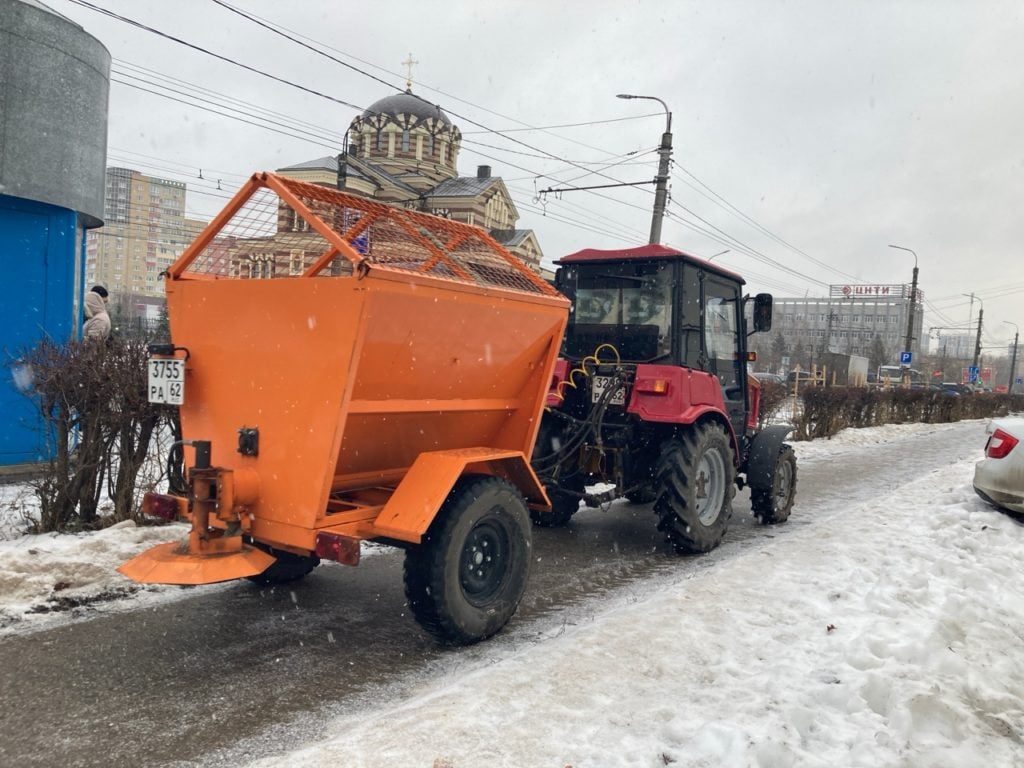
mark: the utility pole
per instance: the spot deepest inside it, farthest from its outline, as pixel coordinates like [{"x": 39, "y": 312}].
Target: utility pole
[
  {"x": 665, "y": 158},
  {"x": 1013, "y": 363}
]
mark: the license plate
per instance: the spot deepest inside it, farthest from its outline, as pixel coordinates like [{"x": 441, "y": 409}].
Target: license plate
[
  {"x": 166, "y": 380},
  {"x": 601, "y": 383}
]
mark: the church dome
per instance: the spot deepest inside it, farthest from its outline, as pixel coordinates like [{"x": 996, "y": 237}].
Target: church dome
[{"x": 407, "y": 104}]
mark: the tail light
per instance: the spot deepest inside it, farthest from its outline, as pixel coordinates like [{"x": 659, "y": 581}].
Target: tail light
[
  {"x": 164, "y": 506},
  {"x": 652, "y": 386},
  {"x": 334, "y": 546},
  {"x": 1000, "y": 444}
]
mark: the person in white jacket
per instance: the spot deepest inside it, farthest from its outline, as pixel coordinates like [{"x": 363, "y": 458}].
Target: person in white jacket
[{"x": 97, "y": 323}]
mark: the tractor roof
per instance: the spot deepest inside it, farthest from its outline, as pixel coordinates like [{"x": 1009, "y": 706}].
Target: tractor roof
[{"x": 643, "y": 253}]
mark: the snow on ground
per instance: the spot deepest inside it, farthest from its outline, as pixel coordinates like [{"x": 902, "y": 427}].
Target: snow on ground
[{"x": 890, "y": 637}]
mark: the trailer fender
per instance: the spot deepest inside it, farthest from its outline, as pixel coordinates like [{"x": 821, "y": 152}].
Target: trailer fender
[
  {"x": 764, "y": 450},
  {"x": 412, "y": 507}
]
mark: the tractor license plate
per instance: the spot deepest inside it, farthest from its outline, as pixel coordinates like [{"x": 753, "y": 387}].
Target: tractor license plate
[
  {"x": 601, "y": 383},
  {"x": 166, "y": 381}
]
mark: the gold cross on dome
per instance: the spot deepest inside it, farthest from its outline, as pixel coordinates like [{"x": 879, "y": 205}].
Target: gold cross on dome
[{"x": 408, "y": 75}]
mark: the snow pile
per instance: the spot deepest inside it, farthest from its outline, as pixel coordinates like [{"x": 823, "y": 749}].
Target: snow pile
[
  {"x": 51, "y": 572},
  {"x": 890, "y": 634},
  {"x": 868, "y": 436}
]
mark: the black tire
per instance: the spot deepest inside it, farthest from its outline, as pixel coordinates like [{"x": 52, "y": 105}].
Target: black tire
[
  {"x": 645, "y": 494},
  {"x": 564, "y": 504},
  {"x": 641, "y": 465},
  {"x": 286, "y": 568},
  {"x": 456, "y": 590},
  {"x": 695, "y": 484},
  {"x": 773, "y": 505}
]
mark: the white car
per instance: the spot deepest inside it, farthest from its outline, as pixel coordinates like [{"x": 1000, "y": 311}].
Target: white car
[{"x": 999, "y": 477}]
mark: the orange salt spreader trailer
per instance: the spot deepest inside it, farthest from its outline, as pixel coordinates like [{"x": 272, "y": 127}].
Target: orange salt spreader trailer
[{"x": 350, "y": 371}]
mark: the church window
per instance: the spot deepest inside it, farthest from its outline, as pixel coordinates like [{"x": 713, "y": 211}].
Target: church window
[
  {"x": 430, "y": 150},
  {"x": 405, "y": 140},
  {"x": 380, "y": 140}
]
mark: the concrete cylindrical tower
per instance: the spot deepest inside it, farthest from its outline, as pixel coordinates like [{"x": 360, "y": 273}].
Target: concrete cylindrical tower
[{"x": 54, "y": 83}]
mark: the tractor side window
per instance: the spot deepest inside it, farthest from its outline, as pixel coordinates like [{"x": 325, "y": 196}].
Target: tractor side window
[{"x": 721, "y": 333}]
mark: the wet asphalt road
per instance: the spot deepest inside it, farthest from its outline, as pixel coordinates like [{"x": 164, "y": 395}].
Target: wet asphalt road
[{"x": 237, "y": 672}]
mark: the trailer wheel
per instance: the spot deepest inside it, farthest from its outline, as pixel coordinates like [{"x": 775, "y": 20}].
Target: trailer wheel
[
  {"x": 287, "y": 567},
  {"x": 695, "y": 485},
  {"x": 773, "y": 505},
  {"x": 463, "y": 582}
]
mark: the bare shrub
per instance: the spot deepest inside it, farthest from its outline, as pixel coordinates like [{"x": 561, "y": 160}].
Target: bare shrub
[
  {"x": 773, "y": 398},
  {"x": 828, "y": 410},
  {"x": 99, "y": 429}
]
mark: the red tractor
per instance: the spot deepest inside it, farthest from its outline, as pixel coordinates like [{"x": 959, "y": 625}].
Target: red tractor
[{"x": 651, "y": 396}]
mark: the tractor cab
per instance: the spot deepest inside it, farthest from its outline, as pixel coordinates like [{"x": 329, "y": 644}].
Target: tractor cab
[{"x": 657, "y": 305}]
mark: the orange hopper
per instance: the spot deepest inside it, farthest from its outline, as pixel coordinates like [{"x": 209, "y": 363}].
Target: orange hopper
[{"x": 345, "y": 367}]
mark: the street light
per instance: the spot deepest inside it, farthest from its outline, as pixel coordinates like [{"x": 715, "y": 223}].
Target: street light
[
  {"x": 1013, "y": 363},
  {"x": 665, "y": 155},
  {"x": 913, "y": 297},
  {"x": 720, "y": 253},
  {"x": 981, "y": 314}
]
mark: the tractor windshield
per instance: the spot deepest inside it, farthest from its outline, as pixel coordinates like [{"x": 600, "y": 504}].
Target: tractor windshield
[{"x": 627, "y": 305}]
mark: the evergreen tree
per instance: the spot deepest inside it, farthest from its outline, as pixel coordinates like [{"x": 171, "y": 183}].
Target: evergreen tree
[
  {"x": 163, "y": 324},
  {"x": 799, "y": 356},
  {"x": 779, "y": 350},
  {"x": 878, "y": 355}
]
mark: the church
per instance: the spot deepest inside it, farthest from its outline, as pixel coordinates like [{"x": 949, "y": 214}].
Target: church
[{"x": 404, "y": 150}]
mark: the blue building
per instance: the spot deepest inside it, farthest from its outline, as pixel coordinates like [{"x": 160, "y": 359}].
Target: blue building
[{"x": 54, "y": 83}]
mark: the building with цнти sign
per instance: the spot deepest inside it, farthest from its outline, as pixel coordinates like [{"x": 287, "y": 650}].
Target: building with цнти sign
[{"x": 850, "y": 317}]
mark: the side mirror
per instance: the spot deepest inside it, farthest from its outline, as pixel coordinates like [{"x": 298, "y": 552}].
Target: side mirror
[{"x": 762, "y": 312}]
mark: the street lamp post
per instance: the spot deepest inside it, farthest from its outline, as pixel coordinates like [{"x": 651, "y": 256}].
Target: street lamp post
[
  {"x": 910, "y": 314},
  {"x": 720, "y": 253},
  {"x": 981, "y": 314},
  {"x": 665, "y": 157},
  {"x": 1013, "y": 363},
  {"x": 913, "y": 298}
]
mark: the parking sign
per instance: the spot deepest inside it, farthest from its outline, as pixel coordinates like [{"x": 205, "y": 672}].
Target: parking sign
[{"x": 906, "y": 357}]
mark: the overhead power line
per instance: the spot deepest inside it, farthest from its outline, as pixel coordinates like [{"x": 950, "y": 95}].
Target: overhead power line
[
  {"x": 730, "y": 238},
  {"x": 716, "y": 198}
]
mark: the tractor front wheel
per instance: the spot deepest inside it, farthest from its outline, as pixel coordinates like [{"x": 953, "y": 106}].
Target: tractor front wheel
[
  {"x": 695, "y": 485},
  {"x": 773, "y": 505},
  {"x": 565, "y": 502},
  {"x": 465, "y": 579}
]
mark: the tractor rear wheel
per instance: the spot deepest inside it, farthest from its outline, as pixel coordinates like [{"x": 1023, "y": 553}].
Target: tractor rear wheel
[
  {"x": 695, "y": 483},
  {"x": 773, "y": 505},
  {"x": 465, "y": 579},
  {"x": 287, "y": 567}
]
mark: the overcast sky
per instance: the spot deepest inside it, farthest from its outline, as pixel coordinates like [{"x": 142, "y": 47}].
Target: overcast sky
[{"x": 839, "y": 127}]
